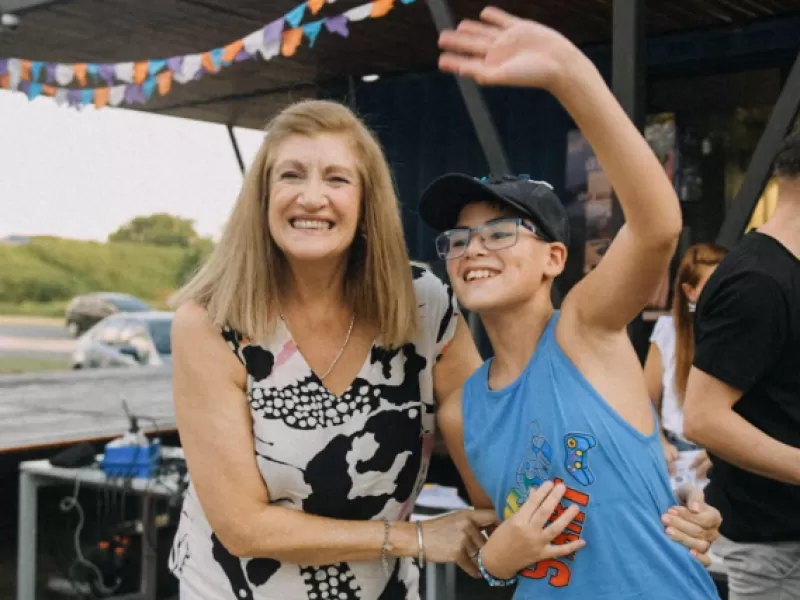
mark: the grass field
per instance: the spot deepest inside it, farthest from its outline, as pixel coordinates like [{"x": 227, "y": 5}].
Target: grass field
[{"x": 21, "y": 364}]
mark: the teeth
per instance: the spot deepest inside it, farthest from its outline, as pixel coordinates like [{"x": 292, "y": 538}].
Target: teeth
[
  {"x": 479, "y": 274},
  {"x": 311, "y": 224}
]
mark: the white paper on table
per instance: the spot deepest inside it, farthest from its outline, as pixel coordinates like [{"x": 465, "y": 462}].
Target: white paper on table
[{"x": 437, "y": 496}]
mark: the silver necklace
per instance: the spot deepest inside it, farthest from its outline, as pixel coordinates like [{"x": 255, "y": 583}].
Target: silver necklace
[{"x": 341, "y": 350}]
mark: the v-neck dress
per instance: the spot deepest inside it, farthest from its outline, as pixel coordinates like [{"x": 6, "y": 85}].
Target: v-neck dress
[{"x": 362, "y": 455}]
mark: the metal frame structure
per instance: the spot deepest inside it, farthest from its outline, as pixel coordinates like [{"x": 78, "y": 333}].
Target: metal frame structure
[{"x": 760, "y": 167}]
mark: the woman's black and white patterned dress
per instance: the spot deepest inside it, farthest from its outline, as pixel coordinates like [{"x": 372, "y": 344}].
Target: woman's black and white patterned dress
[{"x": 363, "y": 455}]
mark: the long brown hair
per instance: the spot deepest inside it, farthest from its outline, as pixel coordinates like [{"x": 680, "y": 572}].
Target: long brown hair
[
  {"x": 238, "y": 285},
  {"x": 689, "y": 272}
]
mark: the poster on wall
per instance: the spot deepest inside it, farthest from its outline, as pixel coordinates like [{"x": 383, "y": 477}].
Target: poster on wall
[{"x": 587, "y": 185}]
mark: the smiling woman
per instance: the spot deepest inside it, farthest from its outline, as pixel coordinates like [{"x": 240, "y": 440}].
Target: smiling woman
[{"x": 308, "y": 357}]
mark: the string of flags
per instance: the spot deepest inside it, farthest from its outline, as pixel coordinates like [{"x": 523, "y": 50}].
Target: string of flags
[{"x": 136, "y": 82}]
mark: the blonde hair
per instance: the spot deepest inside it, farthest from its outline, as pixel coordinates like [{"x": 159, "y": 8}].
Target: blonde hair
[
  {"x": 689, "y": 272},
  {"x": 238, "y": 284}
]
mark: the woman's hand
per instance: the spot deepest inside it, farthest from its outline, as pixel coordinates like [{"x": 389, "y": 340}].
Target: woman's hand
[
  {"x": 457, "y": 538},
  {"x": 695, "y": 524},
  {"x": 502, "y": 49},
  {"x": 525, "y": 538},
  {"x": 701, "y": 465},
  {"x": 670, "y": 453}
]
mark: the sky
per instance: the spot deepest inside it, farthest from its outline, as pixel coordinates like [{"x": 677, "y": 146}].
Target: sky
[{"x": 83, "y": 174}]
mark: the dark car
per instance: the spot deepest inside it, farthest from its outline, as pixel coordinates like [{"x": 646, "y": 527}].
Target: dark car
[
  {"x": 126, "y": 340},
  {"x": 83, "y": 312}
]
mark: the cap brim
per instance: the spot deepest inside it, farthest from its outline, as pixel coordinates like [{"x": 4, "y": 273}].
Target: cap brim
[{"x": 442, "y": 201}]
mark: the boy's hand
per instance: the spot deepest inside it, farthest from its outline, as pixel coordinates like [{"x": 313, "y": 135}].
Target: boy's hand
[{"x": 502, "y": 49}]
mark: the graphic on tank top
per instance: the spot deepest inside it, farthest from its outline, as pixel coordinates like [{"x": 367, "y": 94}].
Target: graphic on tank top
[{"x": 537, "y": 467}]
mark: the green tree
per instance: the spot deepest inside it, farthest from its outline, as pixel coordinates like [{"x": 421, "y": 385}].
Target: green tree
[
  {"x": 160, "y": 229},
  {"x": 193, "y": 260}
]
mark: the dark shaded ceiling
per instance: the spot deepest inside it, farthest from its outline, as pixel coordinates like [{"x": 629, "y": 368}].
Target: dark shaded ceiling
[{"x": 247, "y": 93}]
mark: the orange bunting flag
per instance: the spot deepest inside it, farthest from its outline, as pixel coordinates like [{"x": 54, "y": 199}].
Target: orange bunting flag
[
  {"x": 164, "y": 82},
  {"x": 25, "y": 70},
  {"x": 208, "y": 63},
  {"x": 380, "y": 8},
  {"x": 291, "y": 41},
  {"x": 4, "y": 81},
  {"x": 80, "y": 73},
  {"x": 101, "y": 96},
  {"x": 315, "y": 5},
  {"x": 140, "y": 70},
  {"x": 48, "y": 90},
  {"x": 231, "y": 50}
]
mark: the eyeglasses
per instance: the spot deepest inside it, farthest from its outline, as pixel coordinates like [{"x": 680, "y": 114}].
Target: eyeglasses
[{"x": 495, "y": 235}]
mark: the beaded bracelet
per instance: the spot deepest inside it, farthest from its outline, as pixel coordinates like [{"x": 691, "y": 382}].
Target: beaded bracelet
[{"x": 493, "y": 581}]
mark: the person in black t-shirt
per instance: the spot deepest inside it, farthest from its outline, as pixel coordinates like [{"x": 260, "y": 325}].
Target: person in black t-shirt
[{"x": 743, "y": 396}]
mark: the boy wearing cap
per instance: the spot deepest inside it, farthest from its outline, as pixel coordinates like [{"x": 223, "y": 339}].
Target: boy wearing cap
[{"x": 560, "y": 416}]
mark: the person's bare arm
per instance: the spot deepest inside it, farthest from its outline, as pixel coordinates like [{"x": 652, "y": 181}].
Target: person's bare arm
[
  {"x": 451, "y": 422},
  {"x": 459, "y": 361},
  {"x": 709, "y": 420},
  {"x": 611, "y": 296},
  {"x": 216, "y": 433},
  {"x": 653, "y": 374}
]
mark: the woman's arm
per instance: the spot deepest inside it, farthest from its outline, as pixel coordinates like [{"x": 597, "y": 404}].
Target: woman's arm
[{"x": 216, "y": 433}]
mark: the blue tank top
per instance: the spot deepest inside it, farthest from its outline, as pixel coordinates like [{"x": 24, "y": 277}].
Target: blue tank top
[{"x": 551, "y": 424}]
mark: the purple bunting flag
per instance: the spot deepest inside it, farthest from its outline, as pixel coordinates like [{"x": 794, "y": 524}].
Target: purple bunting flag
[
  {"x": 134, "y": 95},
  {"x": 175, "y": 64},
  {"x": 273, "y": 32},
  {"x": 338, "y": 24},
  {"x": 50, "y": 72},
  {"x": 106, "y": 73},
  {"x": 242, "y": 56},
  {"x": 74, "y": 98}
]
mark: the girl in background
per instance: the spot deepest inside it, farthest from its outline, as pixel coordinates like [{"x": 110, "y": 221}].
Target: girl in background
[{"x": 672, "y": 351}]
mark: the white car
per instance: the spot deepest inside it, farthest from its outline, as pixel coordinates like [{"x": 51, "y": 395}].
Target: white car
[{"x": 140, "y": 339}]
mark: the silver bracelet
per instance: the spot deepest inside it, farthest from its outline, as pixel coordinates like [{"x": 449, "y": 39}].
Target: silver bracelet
[
  {"x": 420, "y": 546},
  {"x": 385, "y": 547}
]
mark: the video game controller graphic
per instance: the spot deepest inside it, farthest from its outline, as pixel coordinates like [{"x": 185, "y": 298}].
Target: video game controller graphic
[{"x": 578, "y": 446}]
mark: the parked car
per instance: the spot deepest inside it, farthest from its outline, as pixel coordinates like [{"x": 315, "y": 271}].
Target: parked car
[
  {"x": 86, "y": 310},
  {"x": 140, "y": 339}
]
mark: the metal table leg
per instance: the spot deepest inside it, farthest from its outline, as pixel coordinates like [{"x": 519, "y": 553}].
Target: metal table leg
[
  {"x": 149, "y": 548},
  {"x": 26, "y": 537},
  {"x": 440, "y": 581}
]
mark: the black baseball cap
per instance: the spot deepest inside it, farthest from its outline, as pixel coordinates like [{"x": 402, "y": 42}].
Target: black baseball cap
[{"x": 442, "y": 201}]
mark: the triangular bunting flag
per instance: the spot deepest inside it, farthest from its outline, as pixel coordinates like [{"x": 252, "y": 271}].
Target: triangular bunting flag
[
  {"x": 48, "y": 90},
  {"x": 101, "y": 97},
  {"x": 312, "y": 31},
  {"x": 164, "y": 82},
  {"x": 25, "y": 70},
  {"x": 216, "y": 57},
  {"x": 87, "y": 96},
  {"x": 36, "y": 70},
  {"x": 315, "y": 5},
  {"x": 291, "y": 41},
  {"x": 381, "y": 8},
  {"x": 295, "y": 16},
  {"x": 93, "y": 71},
  {"x": 34, "y": 90},
  {"x": 80, "y": 73},
  {"x": 231, "y": 50},
  {"x": 116, "y": 95},
  {"x": 359, "y": 13},
  {"x": 156, "y": 65},
  {"x": 140, "y": 71},
  {"x": 337, "y": 24},
  {"x": 149, "y": 86}
]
